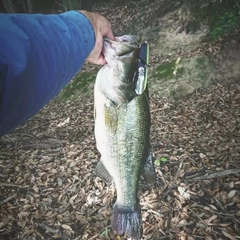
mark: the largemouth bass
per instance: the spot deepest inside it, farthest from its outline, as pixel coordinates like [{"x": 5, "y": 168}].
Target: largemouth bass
[{"x": 122, "y": 132}]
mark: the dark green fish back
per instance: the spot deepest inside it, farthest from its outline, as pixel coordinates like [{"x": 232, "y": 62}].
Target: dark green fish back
[{"x": 131, "y": 148}]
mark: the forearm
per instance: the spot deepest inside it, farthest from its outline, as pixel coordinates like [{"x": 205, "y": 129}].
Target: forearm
[{"x": 39, "y": 55}]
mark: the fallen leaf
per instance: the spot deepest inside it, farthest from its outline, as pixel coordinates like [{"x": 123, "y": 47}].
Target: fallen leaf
[
  {"x": 231, "y": 194},
  {"x": 228, "y": 235}
]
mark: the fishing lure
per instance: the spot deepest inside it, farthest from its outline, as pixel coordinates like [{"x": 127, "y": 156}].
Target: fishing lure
[{"x": 142, "y": 69}]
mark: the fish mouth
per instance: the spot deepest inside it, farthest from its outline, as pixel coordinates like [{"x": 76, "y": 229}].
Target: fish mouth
[
  {"x": 125, "y": 39},
  {"x": 121, "y": 45}
]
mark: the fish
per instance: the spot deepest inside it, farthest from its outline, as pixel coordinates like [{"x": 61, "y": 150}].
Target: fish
[{"x": 122, "y": 132}]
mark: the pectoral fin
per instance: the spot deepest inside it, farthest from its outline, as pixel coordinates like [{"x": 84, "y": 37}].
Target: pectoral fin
[
  {"x": 102, "y": 173},
  {"x": 148, "y": 171}
]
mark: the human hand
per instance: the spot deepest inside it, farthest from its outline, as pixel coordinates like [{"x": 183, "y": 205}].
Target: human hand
[{"x": 102, "y": 28}]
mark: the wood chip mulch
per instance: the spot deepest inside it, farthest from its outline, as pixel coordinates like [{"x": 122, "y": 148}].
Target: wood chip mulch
[{"x": 48, "y": 189}]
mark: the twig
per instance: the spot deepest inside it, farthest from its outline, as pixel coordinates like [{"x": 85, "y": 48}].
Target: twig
[
  {"x": 133, "y": 3},
  {"x": 163, "y": 233},
  {"x": 12, "y": 185},
  {"x": 23, "y": 134},
  {"x": 8, "y": 199},
  {"x": 156, "y": 109},
  {"x": 164, "y": 237},
  {"x": 197, "y": 237},
  {"x": 6, "y": 153},
  {"x": 156, "y": 213},
  {"x": 219, "y": 203},
  {"x": 214, "y": 175},
  {"x": 186, "y": 224},
  {"x": 196, "y": 173},
  {"x": 170, "y": 212},
  {"x": 179, "y": 168},
  {"x": 197, "y": 216},
  {"x": 221, "y": 214},
  {"x": 61, "y": 5},
  {"x": 173, "y": 184}
]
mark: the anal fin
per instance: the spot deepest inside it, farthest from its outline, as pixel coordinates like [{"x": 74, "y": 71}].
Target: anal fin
[
  {"x": 148, "y": 171},
  {"x": 103, "y": 173}
]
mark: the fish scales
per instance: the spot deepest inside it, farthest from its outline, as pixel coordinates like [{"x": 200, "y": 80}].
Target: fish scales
[
  {"x": 122, "y": 131},
  {"x": 130, "y": 148}
]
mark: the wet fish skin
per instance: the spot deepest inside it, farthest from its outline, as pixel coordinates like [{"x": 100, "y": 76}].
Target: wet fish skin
[
  {"x": 116, "y": 77},
  {"x": 122, "y": 131}
]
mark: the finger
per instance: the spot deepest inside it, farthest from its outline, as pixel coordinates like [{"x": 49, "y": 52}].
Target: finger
[
  {"x": 110, "y": 35},
  {"x": 101, "y": 60}
]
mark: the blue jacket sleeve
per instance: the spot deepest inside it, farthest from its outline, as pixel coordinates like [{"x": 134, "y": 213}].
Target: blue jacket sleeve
[{"x": 39, "y": 55}]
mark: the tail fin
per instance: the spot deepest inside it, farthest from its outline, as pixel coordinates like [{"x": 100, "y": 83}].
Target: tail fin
[{"x": 127, "y": 220}]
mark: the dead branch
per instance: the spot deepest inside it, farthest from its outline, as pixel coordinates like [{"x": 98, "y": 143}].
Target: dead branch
[
  {"x": 12, "y": 185},
  {"x": 218, "y": 174},
  {"x": 8, "y": 199}
]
